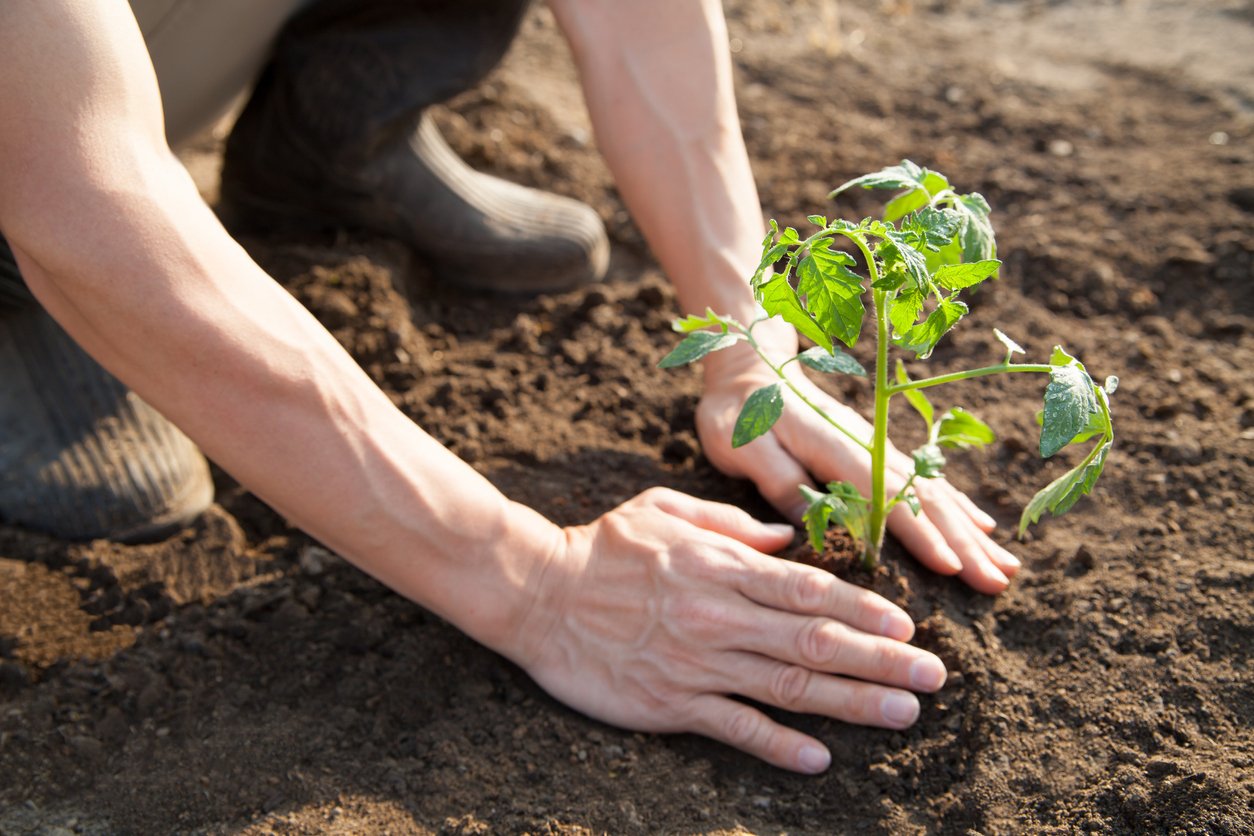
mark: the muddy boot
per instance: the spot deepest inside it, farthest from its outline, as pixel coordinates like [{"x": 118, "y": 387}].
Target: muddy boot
[
  {"x": 334, "y": 135},
  {"x": 81, "y": 456}
]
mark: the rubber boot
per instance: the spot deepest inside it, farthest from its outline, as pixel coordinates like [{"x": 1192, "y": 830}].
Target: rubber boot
[
  {"x": 334, "y": 135},
  {"x": 81, "y": 456}
]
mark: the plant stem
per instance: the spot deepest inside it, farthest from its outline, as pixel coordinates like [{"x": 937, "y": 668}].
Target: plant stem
[
  {"x": 779, "y": 370},
  {"x": 955, "y": 376},
  {"x": 879, "y": 442}
]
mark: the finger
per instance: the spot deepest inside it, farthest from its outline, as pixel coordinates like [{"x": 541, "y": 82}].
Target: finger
[
  {"x": 960, "y": 532},
  {"x": 923, "y": 540},
  {"x": 822, "y": 644},
  {"x": 724, "y": 519},
  {"x": 797, "y": 588},
  {"x": 982, "y": 520},
  {"x": 801, "y": 690},
  {"x": 776, "y": 473},
  {"x": 749, "y": 730}
]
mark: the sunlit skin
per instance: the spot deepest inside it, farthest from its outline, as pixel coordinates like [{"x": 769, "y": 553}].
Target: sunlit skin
[{"x": 647, "y": 617}]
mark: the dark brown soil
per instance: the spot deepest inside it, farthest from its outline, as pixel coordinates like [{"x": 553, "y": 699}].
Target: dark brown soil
[{"x": 237, "y": 678}]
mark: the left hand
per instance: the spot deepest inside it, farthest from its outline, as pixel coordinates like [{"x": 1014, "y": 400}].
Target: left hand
[{"x": 950, "y": 534}]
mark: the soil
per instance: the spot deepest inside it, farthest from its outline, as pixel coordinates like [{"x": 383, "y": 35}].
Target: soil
[{"x": 240, "y": 679}]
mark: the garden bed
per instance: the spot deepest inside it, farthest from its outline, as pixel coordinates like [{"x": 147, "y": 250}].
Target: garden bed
[{"x": 1109, "y": 691}]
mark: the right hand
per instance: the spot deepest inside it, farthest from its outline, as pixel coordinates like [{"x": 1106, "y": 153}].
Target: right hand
[{"x": 650, "y": 616}]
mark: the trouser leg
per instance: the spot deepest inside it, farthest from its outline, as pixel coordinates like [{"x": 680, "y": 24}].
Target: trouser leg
[
  {"x": 334, "y": 135},
  {"x": 81, "y": 456}
]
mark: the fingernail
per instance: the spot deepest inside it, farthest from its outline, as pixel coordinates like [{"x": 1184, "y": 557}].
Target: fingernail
[
  {"x": 780, "y": 529},
  {"x": 984, "y": 519},
  {"x": 899, "y": 709},
  {"x": 1010, "y": 560},
  {"x": 896, "y": 625},
  {"x": 927, "y": 674},
  {"x": 951, "y": 560},
  {"x": 995, "y": 574},
  {"x": 813, "y": 759}
]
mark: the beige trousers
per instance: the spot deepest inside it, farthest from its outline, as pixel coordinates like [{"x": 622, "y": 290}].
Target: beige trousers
[{"x": 206, "y": 52}]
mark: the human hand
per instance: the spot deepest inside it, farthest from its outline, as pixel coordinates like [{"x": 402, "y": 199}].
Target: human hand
[
  {"x": 651, "y": 615},
  {"x": 949, "y": 536}
]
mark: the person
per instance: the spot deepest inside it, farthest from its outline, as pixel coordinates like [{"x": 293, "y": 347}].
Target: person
[{"x": 651, "y": 616}]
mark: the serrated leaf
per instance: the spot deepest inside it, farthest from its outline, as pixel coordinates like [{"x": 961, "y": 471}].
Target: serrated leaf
[
  {"x": 838, "y": 361},
  {"x": 833, "y": 295},
  {"x": 894, "y": 177},
  {"x": 959, "y": 276},
  {"x": 831, "y": 260},
  {"x": 817, "y": 220},
  {"x": 904, "y": 311},
  {"x": 695, "y": 346},
  {"x": 976, "y": 237},
  {"x": 778, "y": 298},
  {"x": 1012, "y": 347},
  {"x": 790, "y": 237},
  {"x": 904, "y": 204},
  {"x": 1112, "y": 383},
  {"x": 929, "y": 461},
  {"x": 897, "y": 254},
  {"x": 770, "y": 255},
  {"x": 922, "y": 338},
  {"x": 760, "y": 412},
  {"x": 933, "y": 228},
  {"x": 841, "y": 504},
  {"x": 959, "y": 428},
  {"x": 916, "y": 398},
  {"x": 1060, "y": 495},
  {"x": 913, "y": 501},
  {"x": 1070, "y": 402}
]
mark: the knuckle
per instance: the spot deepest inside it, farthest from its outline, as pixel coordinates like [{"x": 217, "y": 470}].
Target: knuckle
[
  {"x": 790, "y": 685},
  {"x": 820, "y": 641},
  {"x": 741, "y": 727},
  {"x": 809, "y": 590}
]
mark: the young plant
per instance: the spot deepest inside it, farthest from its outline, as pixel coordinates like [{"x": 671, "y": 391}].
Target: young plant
[{"x": 932, "y": 244}]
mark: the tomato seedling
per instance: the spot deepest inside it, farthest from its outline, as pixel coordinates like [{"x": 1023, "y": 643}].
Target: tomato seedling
[{"x": 932, "y": 244}]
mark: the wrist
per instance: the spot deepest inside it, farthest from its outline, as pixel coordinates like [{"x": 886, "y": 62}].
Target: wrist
[{"x": 775, "y": 338}]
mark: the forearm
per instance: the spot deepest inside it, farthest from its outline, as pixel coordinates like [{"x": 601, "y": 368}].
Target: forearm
[
  {"x": 113, "y": 239},
  {"x": 657, "y": 79}
]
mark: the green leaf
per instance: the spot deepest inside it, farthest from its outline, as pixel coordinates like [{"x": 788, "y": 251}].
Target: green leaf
[
  {"x": 897, "y": 254},
  {"x": 904, "y": 311},
  {"x": 1060, "y": 495},
  {"x": 913, "y": 501},
  {"x": 790, "y": 237},
  {"x": 922, "y": 338},
  {"x": 959, "y": 428},
  {"x": 817, "y": 220},
  {"x": 976, "y": 236},
  {"x": 838, "y": 361},
  {"x": 904, "y": 204},
  {"x": 933, "y": 228},
  {"x": 1061, "y": 358},
  {"x": 935, "y": 183},
  {"x": 760, "y": 412},
  {"x": 1097, "y": 425},
  {"x": 1070, "y": 401},
  {"x": 770, "y": 255},
  {"x": 906, "y": 175},
  {"x": 929, "y": 461},
  {"x": 697, "y": 345},
  {"x": 916, "y": 398},
  {"x": 1112, "y": 383},
  {"x": 692, "y": 322},
  {"x": 778, "y": 298},
  {"x": 842, "y": 504},
  {"x": 959, "y": 276},
  {"x": 833, "y": 294},
  {"x": 1012, "y": 347}
]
